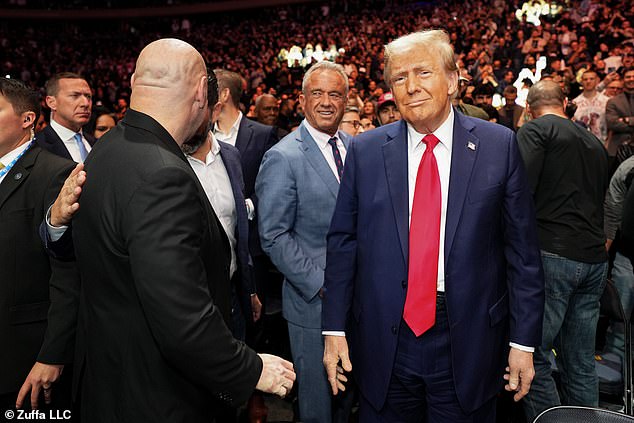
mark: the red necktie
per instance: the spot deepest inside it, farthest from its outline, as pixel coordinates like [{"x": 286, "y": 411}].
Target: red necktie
[{"x": 424, "y": 243}]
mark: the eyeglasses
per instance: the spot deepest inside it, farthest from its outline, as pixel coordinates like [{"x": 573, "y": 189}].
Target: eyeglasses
[{"x": 355, "y": 123}]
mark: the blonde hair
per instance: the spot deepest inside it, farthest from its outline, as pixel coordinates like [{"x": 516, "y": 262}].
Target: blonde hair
[{"x": 435, "y": 40}]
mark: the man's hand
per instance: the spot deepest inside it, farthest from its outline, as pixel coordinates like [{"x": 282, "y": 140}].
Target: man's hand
[
  {"x": 277, "y": 375},
  {"x": 335, "y": 351},
  {"x": 256, "y": 307},
  {"x": 520, "y": 373},
  {"x": 41, "y": 376},
  {"x": 66, "y": 204}
]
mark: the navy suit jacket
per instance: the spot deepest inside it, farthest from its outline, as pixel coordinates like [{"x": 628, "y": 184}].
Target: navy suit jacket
[
  {"x": 493, "y": 277},
  {"x": 49, "y": 140},
  {"x": 231, "y": 159},
  {"x": 253, "y": 140}
]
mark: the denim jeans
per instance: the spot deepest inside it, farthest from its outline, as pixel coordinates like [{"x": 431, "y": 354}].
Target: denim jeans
[
  {"x": 571, "y": 312},
  {"x": 623, "y": 278}
]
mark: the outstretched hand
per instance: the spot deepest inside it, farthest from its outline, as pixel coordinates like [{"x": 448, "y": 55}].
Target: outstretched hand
[
  {"x": 277, "y": 375},
  {"x": 67, "y": 202}
]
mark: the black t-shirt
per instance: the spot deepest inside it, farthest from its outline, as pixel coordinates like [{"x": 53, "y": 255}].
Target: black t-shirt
[{"x": 567, "y": 169}]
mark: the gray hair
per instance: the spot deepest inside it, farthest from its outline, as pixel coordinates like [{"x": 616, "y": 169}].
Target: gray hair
[
  {"x": 435, "y": 41},
  {"x": 258, "y": 100},
  {"x": 325, "y": 65}
]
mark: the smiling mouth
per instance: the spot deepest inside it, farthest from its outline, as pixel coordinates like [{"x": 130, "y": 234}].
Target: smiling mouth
[
  {"x": 416, "y": 102},
  {"x": 325, "y": 113}
]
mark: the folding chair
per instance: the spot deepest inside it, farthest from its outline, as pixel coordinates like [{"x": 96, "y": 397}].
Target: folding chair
[{"x": 575, "y": 414}]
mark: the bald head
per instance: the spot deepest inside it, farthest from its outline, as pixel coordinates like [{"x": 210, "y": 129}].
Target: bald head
[
  {"x": 546, "y": 97},
  {"x": 170, "y": 85},
  {"x": 167, "y": 63}
]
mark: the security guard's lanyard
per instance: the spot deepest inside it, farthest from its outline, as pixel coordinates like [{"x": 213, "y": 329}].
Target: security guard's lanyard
[{"x": 10, "y": 165}]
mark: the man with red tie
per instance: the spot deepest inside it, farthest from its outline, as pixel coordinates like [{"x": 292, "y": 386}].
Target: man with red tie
[{"x": 433, "y": 271}]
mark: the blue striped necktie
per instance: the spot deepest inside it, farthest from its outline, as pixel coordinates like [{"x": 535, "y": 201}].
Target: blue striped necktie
[
  {"x": 335, "y": 152},
  {"x": 82, "y": 148}
]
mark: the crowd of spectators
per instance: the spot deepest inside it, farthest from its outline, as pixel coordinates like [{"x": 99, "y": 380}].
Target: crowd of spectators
[
  {"x": 501, "y": 47},
  {"x": 498, "y": 44}
]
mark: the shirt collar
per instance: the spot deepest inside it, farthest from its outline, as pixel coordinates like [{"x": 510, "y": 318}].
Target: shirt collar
[
  {"x": 321, "y": 138},
  {"x": 64, "y": 133},
  {"x": 212, "y": 154},
  {"x": 11, "y": 155},
  {"x": 444, "y": 133},
  {"x": 234, "y": 128}
]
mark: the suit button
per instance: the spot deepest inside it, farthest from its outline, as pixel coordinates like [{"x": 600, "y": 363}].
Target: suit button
[
  {"x": 394, "y": 330},
  {"x": 404, "y": 284}
]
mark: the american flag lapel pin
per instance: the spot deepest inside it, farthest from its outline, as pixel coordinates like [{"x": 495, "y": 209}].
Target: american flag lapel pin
[{"x": 471, "y": 146}]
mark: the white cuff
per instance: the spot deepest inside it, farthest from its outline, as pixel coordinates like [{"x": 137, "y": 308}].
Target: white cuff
[
  {"x": 54, "y": 232},
  {"x": 250, "y": 209},
  {"x": 333, "y": 333},
  {"x": 522, "y": 347}
]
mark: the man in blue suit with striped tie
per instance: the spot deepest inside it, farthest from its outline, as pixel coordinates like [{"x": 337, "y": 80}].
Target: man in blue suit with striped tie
[{"x": 297, "y": 188}]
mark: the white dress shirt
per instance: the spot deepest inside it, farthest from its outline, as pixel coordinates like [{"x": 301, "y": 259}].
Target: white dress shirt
[
  {"x": 68, "y": 138},
  {"x": 321, "y": 139},
  {"x": 214, "y": 178},
  {"x": 10, "y": 156},
  {"x": 442, "y": 152},
  {"x": 231, "y": 136}
]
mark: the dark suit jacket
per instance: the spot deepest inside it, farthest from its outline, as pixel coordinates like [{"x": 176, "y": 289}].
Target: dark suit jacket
[
  {"x": 619, "y": 132},
  {"x": 231, "y": 159},
  {"x": 154, "y": 263},
  {"x": 493, "y": 276},
  {"x": 25, "y": 194},
  {"x": 253, "y": 140},
  {"x": 49, "y": 140}
]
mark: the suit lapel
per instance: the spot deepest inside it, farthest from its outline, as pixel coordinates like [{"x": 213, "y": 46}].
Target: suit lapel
[
  {"x": 316, "y": 159},
  {"x": 463, "y": 157},
  {"x": 245, "y": 133},
  {"x": 55, "y": 143},
  {"x": 345, "y": 139},
  {"x": 395, "y": 159},
  {"x": 17, "y": 175},
  {"x": 230, "y": 166}
]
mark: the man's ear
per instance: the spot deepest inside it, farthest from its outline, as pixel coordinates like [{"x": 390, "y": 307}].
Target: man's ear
[
  {"x": 215, "y": 112},
  {"x": 224, "y": 95},
  {"x": 28, "y": 119},
  {"x": 528, "y": 111},
  {"x": 51, "y": 102},
  {"x": 201, "y": 92},
  {"x": 452, "y": 83}
]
